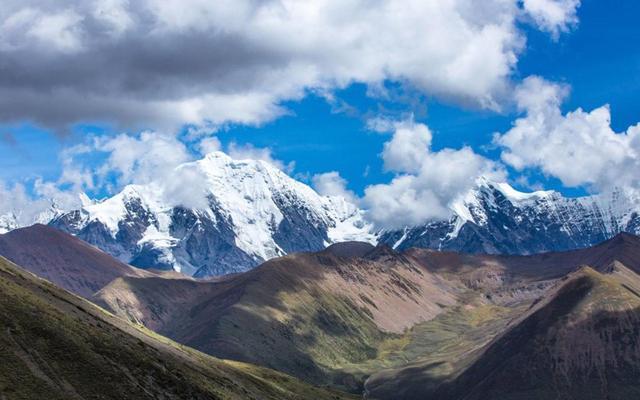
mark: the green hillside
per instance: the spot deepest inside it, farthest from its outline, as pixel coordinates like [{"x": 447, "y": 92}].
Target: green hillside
[{"x": 54, "y": 345}]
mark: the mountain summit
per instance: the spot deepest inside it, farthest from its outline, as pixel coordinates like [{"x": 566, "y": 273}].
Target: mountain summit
[
  {"x": 497, "y": 219},
  {"x": 219, "y": 215},
  {"x": 224, "y": 216}
]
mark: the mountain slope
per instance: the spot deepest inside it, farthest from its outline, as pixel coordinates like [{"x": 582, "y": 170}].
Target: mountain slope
[
  {"x": 308, "y": 314},
  {"x": 480, "y": 269},
  {"x": 251, "y": 212},
  {"x": 352, "y": 315},
  {"x": 579, "y": 342},
  {"x": 582, "y": 343},
  {"x": 495, "y": 218},
  {"x": 63, "y": 259},
  {"x": 54, "y": 345}
]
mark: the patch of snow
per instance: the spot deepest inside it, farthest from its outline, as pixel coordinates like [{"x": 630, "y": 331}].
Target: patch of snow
[
  {"x": 402, "y": 239},
  {"x": 515, "y": 196}
]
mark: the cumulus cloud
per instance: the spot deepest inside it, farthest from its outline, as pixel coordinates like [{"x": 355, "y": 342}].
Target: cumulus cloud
[
  {"x": 185, "y": 186},
  {"x": 141, "y": 158},
  {"x": 105, "y": 164},
  {"x": 250, "y": 152},
  {"x": 579, "y": 147},
  {"x": 553, "y": 16},
  {"x": 21, "y": 206},
  {"x": 163, "y": 63},
  {"x": 332, "y": 184},
  {"x": 427, "y": 181},
  {"x": 13, "y": 198},
  {"x": 407, "y": 148}
]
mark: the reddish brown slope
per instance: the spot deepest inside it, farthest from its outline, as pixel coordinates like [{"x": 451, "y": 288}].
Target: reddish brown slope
[
  {"x": 308, "y": 314},
  {"x": 513, "y": 277},
  {"x": 580, "y": 342},
  {"x": 63, "y": 259}
]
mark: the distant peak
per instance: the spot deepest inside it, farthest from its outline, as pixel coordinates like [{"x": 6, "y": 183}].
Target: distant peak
[
  {"x": 510, "y": 192},
  {"x": 350, "y": 249},
  {"x": 381, "y": 250},
  {"x": 623, "y": 238}
]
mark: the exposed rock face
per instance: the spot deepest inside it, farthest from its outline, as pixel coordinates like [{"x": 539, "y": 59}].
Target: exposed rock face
[
  {"x": 255, "y": 212},
  {"x": 494, "y": 218}
]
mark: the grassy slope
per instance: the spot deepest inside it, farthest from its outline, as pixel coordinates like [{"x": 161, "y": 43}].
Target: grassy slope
[
  {"x": 434, "y": 351},
  {"x": 310, "y": 315},
  {"x": 55, "y": 345},
  {"x": 580, "y": 343},
  {"x": 290, "y": 323},
  {"x": 292, "y": 320}
]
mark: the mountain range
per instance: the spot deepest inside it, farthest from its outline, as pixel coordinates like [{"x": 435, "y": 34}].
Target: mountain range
[
  {"x": 416, "y": 324},
  {"x": 253, "y": 212},
  {"x": 494, "y": 218},
  {"x": 356, "y": 318},
  {"x": 57, "y": 346}
]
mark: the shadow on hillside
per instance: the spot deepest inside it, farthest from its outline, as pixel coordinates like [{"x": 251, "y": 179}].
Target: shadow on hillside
[
  {"x": 543, "y": 356},
  {"x": 238, "y": 319}
]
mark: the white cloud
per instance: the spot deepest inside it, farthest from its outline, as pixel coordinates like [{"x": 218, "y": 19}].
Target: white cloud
[
  {"x": 250, "y": 152},
  {"x": 553, "y": 16},
  {"x": 332, "y": 184},
  {"x": 149, "y": 157},
  {"x": 428, "y": 181},
  {"x": 202, "y": 62},
  {"x": 140, "y": 158},
  {"x": 12, "y": 197},
  {"x": 185, "y": 186},
  {"x": 23, "y": 207},
  {"x": 579, "y": 147},
  {"x": 383, "y": 124},
  {"x": 48, "y": 31},
  {"x": 209, "y": 145},
  {"x": 408, "y": 147}
]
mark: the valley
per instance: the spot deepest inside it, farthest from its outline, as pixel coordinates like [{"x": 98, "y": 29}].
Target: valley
[{"x": 375, "y": 322}]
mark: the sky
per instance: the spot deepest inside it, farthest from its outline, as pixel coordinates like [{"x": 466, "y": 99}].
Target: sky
[{"x": 399, "y": 106}]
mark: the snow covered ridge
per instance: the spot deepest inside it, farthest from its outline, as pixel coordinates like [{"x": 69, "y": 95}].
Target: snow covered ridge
[
  {"x": 250, "y": 212},
  {"x": 19, "y": 218},
  {"x": 495, "y": 218},
  {"x": 227, "y": 215}
]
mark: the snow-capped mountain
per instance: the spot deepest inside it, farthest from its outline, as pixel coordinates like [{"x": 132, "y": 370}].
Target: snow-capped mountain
[
  {"x": 14, "y": 219},
  {"x": 495, "y": 218},
  {"x": 252, "y": 212}
]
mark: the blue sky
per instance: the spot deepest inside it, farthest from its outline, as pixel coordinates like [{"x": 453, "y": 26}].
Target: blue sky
[{"x": 598, "y": 58}]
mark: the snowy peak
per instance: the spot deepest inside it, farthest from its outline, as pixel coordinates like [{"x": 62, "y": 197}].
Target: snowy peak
[
  {"x": 496, "y": 218},
  {"x": 214, "y": 216},
  {"x": 220, "y": 215},
  {"x": 40, "y": 212},
  {"x": 488, "y": 195}
]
